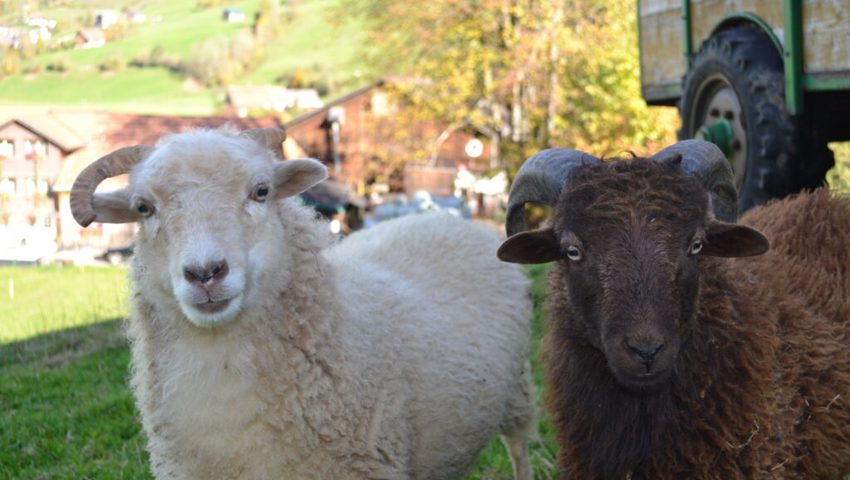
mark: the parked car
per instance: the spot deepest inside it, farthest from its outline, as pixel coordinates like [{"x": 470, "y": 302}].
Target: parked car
[
  {"x": 117, "y": 255},
  {"x": 338, "y": 204}
]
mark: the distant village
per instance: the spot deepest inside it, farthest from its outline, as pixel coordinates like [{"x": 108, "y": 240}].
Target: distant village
[
  {"x": 39, "y": 30},
  {"x": 42, "y": 150},
  {"x": 357, "y": 135}
]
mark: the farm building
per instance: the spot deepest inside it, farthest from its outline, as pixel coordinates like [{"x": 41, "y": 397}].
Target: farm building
[
  {"x": 363, "y": 139},
  {"x": 41, "y": 152},
  {"x": 359, "y": 136}
]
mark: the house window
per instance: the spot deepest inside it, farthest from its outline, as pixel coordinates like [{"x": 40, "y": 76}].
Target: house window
[
  {"x": 34, "y": 149},
  {"x": 380, "y": 104},
  {"x": 36, "y": 187},
  {"x": 8, "y": 186},
  {"x": 7, "y": 148}
]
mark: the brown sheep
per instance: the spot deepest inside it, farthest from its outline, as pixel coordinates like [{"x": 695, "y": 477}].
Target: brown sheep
[{"x": 667, "y": 360}]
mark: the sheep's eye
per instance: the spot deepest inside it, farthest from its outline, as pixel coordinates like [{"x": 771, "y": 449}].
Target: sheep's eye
[
  {"x": 573, "y": 253},
  {"x": 260, "y": 193},
  {"x": 145, "y": 209},
  {"x": 696, "y": 247}
]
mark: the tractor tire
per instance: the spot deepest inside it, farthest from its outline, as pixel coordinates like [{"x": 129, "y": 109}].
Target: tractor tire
[{"x": 738, "y": 76}]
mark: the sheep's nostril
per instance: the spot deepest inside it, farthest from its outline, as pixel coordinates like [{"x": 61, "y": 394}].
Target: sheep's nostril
[
  {"x": 207, "y": 273},
  {"x": 220, "y": 270},
  {"x": 647, "y": 352}
]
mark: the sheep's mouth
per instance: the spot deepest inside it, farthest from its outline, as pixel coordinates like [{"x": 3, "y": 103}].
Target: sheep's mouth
[
  {"x": 213, "y": 306},
  {"x": 214, "y": 312},
  {"x": 645, "y": 381}
]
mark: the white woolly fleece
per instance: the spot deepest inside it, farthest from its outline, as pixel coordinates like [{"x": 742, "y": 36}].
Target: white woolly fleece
[{"x": 394, "y": 354}]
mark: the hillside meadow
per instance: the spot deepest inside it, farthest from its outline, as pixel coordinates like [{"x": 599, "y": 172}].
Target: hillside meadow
[
  {"x": 67, "y": 411},
  {"x": 309, "y": 39}
]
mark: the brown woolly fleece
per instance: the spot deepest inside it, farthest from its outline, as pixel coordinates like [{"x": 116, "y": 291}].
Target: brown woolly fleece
[{"x": 762, "y": 380}]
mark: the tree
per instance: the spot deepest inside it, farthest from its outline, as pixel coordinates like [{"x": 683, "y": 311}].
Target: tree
[{"x": 541, "y": 74}]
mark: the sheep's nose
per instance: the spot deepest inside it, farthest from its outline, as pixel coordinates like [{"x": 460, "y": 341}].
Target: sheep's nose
[
  {"x": 206, "y": 274},
  {"x": 645, "y": 351}
]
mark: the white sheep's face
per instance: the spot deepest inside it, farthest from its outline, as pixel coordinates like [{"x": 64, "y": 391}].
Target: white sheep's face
[{"x": 209, "y": 233}]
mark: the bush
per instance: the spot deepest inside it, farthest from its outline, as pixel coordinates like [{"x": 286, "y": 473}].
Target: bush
[
  {"x": 158, "y": 57},
  {"x": 210, "y": 62},
  {"x": 34, "y": 68},
  {"x": 246, "y": 50},
  {"x": 60, "y": 64},
  {"x": 117, "y": 31},
  {"x": 220, "y": 61},
  {"x": 11, "y": 62},
  {"x": 314, "y": 77},
  {"x": 114, "y": 63}
]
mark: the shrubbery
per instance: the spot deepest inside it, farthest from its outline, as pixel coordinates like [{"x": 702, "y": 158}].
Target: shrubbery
[
  {"x": 313, "y": 77},
  {"x": 114, "y": 63},
  {"x": 220, "y": 61},
  {"x": 60, "y": 64}
]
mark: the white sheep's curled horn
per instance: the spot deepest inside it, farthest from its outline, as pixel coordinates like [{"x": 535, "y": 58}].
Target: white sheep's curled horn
[
  {"x": 271, "y": 138},
  {"x": 116, "y": 163}
]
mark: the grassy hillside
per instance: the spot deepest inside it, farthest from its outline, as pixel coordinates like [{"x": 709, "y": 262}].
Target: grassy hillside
[{"x": 308, "y": 40}]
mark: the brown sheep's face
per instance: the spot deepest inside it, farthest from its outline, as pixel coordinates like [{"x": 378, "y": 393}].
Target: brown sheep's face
[
  {"x": 632, "y": 285},
  {"x": 629, "y": 241}
]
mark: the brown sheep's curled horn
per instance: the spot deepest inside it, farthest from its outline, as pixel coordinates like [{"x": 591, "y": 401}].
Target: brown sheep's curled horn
[
  {"x": 271, "y": 138},
  {"x": 110, "y": 165},
  {"x": 705, "y": 161},
  {"x": 540, "y": 179}
]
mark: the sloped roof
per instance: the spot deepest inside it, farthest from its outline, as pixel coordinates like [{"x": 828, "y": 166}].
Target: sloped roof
[
  {"x": 47, "y": 127},
  {"x": 110, "y": 131},
  {"x": 91, "y": 34},
  {"x": 128, "y": 129},
  {"x": 339, "y": 101}
]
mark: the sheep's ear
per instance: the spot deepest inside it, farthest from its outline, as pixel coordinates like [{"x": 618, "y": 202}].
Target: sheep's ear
[
  {"x": 292, "y": 177},
  {"x": 114, "y": 207},
  {"x": 536, "y": 246},
  {"x": 733, "y": 240}
]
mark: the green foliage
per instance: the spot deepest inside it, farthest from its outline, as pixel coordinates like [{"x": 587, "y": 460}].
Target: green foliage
[
  {"x": 210, "y": 63},
  {"x": 220, "y": 61},
  {"x": 113, "y": 63},
  {"x": 67, "y": 410},
  {"x": 60, "y": 64},
  {"x": 838, "y": 177},
  {"x": 267, "y": 24},
  {"x": 314, "y": 77}
]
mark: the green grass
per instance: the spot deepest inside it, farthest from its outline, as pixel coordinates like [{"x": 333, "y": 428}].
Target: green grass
[
  {"x": 67, "y": 411},
  {"x": 34, "y": 301},
  {"x": 309, "y": 41},
  {"x": 312, "y": 40},
  {"x": 137, "y": 90}
]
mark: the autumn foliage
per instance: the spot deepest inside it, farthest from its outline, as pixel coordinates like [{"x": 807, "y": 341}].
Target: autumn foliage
[{"x": 542, "y": 74}]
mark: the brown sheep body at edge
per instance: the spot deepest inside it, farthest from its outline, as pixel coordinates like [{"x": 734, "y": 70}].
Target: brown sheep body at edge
[{"x": 761, "y": 387}]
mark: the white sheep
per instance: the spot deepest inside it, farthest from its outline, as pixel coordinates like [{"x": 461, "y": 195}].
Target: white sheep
[{"x": 261, "y": 349}]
